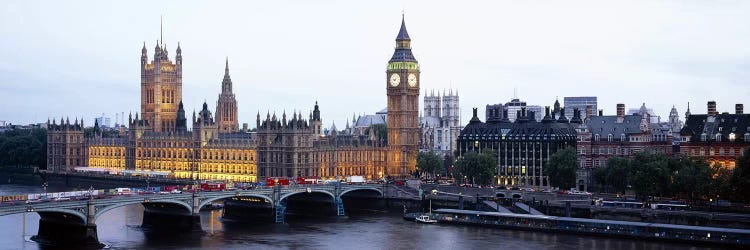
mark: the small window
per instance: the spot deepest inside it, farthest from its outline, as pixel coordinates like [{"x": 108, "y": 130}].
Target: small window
[{"x": 718, "y": 137}]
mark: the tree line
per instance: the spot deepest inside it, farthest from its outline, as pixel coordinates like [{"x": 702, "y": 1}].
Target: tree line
[
  {"x": 650, "y": 174},
  {"x": 23, "y": 148}
]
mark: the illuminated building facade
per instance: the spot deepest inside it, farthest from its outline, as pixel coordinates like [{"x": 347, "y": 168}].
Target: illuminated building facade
[
  {"x": 720, "y": 138},
  {"x": 158, "y": 139}
]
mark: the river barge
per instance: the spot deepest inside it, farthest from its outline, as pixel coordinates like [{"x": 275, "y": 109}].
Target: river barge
[{"x": 608, "y": 228}]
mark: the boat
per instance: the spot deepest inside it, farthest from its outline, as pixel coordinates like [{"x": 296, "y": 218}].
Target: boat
[{"x": 425, "y": 219}]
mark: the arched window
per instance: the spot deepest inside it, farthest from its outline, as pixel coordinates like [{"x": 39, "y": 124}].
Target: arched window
[
  {"x": 718, "y": 137},
  {"x": 622, "y": 137},
  {"x": 609, "y": 137}
]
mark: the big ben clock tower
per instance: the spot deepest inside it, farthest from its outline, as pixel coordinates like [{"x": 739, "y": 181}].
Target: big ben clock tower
[{"x": 402, "y": 85}]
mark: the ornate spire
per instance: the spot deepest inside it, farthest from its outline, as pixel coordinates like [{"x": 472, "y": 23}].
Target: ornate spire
[
  {"x": 402, "y": 33},
  {"x": 226, "y": 84}
]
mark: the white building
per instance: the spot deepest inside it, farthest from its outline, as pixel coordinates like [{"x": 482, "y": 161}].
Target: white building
[{"x": 440, "y": 122}]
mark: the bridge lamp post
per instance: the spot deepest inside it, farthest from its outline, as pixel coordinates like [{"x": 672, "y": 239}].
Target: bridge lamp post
[
  {"x": 433, "y": 192},
  {"x": 44, "y": 186}
]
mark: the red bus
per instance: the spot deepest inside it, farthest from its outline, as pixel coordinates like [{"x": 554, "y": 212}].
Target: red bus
[
  {"x": 273, "y": 181},
  {"x": 213, "y": 186}
]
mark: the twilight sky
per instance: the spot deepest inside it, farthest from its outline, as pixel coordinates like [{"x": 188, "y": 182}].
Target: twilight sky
[{"x": 81, "y": 58}]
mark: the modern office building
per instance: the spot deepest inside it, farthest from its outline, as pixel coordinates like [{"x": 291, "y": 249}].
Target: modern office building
[{"x": 579, "y": 102}]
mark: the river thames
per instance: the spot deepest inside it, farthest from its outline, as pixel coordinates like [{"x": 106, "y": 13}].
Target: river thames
[{"x": 119, "y": 229}]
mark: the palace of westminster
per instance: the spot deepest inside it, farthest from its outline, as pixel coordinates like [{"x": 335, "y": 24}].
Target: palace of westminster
[
  {"x": 216, "y": 148},
  {"x": 158, "y": 140}
]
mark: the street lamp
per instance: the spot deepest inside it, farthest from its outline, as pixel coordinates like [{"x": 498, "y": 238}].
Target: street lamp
[{"x": 44, "y": 186}]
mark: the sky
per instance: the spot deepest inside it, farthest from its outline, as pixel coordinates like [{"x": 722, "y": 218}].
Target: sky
[{"x": 82, "y": 58}]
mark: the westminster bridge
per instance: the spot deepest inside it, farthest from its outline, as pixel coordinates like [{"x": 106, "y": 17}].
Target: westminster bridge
[{"x": 74, "y": 221}]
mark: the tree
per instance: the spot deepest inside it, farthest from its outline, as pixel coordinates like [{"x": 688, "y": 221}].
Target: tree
[
  {"x": 429, "y": 162},
  {"x": 692, "y": 179},
  {"x": 477, "y": 167},
  {"x": 741, "y": 177},
  {"x": 561, "y": 168},
  {"x": 617, "y": 174},
  {"x": 721, "y": 182},
  {"x": 23, "y": 148},
  {"x": 649, "y": 174}
]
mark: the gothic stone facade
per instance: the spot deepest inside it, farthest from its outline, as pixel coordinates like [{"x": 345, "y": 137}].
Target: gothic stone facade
[{"x": 159, "y": 140}]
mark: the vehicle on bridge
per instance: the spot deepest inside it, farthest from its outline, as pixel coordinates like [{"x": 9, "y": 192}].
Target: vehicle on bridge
[
  {"x": 213, "y": 186},
  {"x": 308, "y": 180},
  {"x": 273, "y": 181},
  {"x": 124, "y": 191},
  {"x": 355, "y": 179}
]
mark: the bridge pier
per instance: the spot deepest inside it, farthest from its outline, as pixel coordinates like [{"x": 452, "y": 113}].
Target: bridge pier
[
  {"x": 64, "y": 230},
  {"x": 170, "y": 218}
]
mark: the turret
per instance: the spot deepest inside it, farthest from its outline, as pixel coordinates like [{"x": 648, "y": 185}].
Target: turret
[
  {"x": 144, "y": 56},
  {"x": 178, "y": 58}
]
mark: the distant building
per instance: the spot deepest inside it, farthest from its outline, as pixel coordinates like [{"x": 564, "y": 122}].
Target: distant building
[
  {"x": 440, "y": 123},
  {"x": 720, "y": 138},
  {"x": 645, "y": 110},
  {"x": 497, "y": 112},
  {"x": 578, "y": 102},
  {"x": 103, "y": 121}
]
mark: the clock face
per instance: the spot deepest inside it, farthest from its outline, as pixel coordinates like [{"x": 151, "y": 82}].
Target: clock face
[
  {"x": 412, "y": 80},
  {"x": 395, "y": 80}
]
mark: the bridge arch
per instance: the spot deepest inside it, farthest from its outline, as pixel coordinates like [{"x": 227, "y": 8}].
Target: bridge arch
[
  {"x": 212, "y": 199},
  {"x": 113, "y": 206},
  {"x": 360, "y": 189},
  {"x": 39, "y": 211},
  {"x": 333, "y": 197}
]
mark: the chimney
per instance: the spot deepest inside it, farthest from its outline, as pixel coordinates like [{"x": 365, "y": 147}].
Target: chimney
[
  {"x": 620, "y": 110},
  {"x": 244, "y": 127},
  {"x": 601, "y": 112},
  {"x": 711, "y": 108},
  {"x": 738, "y": 108},
  {"x": 589, "y": 111},
  {"x": 474, "y": 112}
]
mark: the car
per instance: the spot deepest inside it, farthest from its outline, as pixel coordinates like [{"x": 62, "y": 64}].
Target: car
[
  {"x": 175, "y": 191},
  {"x": 62, "y": 199},
  {"x": 163, "y": 192}
]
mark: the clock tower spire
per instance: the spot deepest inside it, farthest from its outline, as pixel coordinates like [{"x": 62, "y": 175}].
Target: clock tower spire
[{"x": 402, "y": 87}]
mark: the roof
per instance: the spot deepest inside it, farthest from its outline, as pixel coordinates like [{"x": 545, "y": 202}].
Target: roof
[
  {"x": 430, "y": 121},
  {"x": 402, "y": 33},
  {"x": 402, "y": 55},
  {"x": 722, "y": 124},
  {"x": 605, "y": 125},
  {"x": 369, "y": 120}
]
